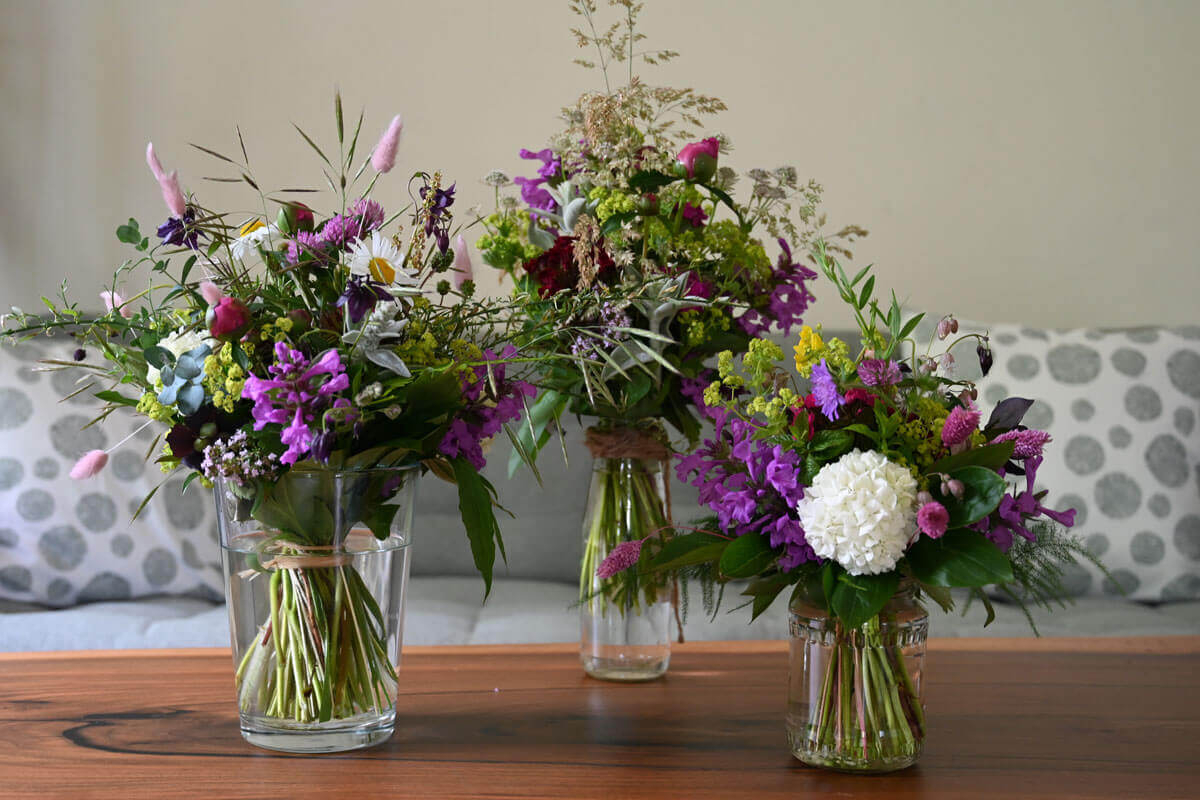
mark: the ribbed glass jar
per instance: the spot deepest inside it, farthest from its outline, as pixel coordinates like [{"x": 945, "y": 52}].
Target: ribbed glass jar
[{"x": 855, "y": 699}]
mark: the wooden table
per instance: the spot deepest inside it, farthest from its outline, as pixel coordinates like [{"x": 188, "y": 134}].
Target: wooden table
[{"x": 1067, "y": 718}]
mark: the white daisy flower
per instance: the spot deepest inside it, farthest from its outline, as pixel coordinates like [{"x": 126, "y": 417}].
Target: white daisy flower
[
  {"x": 251, "y": 236},
  {"x": 380, "y": 260}
]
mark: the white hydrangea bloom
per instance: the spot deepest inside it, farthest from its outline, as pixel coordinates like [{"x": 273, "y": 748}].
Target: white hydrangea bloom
[{"x": 860, "y": 511}]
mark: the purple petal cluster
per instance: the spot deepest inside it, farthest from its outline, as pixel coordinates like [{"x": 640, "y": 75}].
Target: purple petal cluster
[
  {"x": 531, "y": 188},
  {"x": 305, "y": 243},
  {"x": 340, "y": 231},
  {"x": 370, "y": 215},
  {"x": 490, "y": 403},
  {"x": 878, "y": 372},
  {"x": 751, "y": 485},
  {"x": 1016, "y": 509},
  {"x": 789, "y": 296},
  {"x": 361, "y": 295},
  {"x": 437, "y": 220},
  {"x": 295, "y": 395},
  {"x": 180, "y": 231},
  {"x": 825, "y": 391}
]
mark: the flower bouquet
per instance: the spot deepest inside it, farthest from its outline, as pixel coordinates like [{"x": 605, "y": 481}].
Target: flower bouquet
[
  {"x": 309, "y": 367},
  {"x": 879, "y": 486},
  {"x": 629, "y": 254}
]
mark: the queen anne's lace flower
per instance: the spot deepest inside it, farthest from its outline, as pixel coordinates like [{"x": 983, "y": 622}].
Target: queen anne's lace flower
[{"x": 860, "y": 512}]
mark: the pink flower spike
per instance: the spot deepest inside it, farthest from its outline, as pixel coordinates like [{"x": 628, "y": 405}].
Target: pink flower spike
[
  {"x": 959, "y": 425},
  {"x": 167, "y": 182},
  {"x": 212, "y": 293},
  {"x": 622, "y": 557},
  {"x": 932, "y": 519},
  {"x": 384, "y": 156},
  {"x": 89, "y": 464},
  {"x": 463, "y": 269},
  {"x": 114, "y": 300}
]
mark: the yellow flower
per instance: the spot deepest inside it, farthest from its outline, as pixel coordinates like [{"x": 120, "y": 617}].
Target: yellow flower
[{"x": 808, "y": 350}]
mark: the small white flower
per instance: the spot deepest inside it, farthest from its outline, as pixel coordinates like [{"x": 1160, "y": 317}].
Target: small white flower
[
  {"x": 860, "y": 511},
  {"x": 251, "y": 236},
  {"x": 380, "y": 260}
]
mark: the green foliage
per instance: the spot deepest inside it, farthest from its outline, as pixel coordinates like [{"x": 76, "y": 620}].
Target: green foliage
[
  {"x": 475, "y": 496},
  {"x": 958, "y": 558}
]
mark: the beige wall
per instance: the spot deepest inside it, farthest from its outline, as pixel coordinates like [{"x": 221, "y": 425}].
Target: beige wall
[{"x": 1025, "y": 161}]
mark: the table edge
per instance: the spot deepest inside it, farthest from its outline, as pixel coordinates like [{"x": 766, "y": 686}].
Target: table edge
[{"x": 1159, "y": 645}]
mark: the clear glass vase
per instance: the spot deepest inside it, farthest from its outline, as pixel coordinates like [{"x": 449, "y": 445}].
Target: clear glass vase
[
  {"x": 855, "y": 695},
  {"x": 316, "y": 567},
  {"x": 626, "y": 619}
]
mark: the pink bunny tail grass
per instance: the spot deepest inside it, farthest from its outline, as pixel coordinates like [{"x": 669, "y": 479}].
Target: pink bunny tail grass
[
  {"x": 168, "y": 182},
  {"x": 114, "y": 300},
  {"x": 152, "y": 161},
  {"x": 464, "y": 270},
  {"x": 211, "y": 292},
  {"x": 384, "y": 156},
  {"x": 89, "y": 464},
  {"x": 172, "y": 194},
  {"x": 622, "y": 557}
]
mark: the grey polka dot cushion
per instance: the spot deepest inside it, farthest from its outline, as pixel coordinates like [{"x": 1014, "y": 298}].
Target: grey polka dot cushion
[
  {"x": 1122, "y": 407},
  {"x": 63, "y": 541}
]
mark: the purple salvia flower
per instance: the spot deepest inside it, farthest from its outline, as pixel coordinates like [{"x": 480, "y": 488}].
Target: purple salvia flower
[{"x": 826, "y": 392}]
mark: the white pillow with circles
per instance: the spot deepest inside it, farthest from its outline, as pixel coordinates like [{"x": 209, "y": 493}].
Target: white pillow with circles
[
  {"x": 63, "y": 541},
  {"x": 1122, "y": 406}
]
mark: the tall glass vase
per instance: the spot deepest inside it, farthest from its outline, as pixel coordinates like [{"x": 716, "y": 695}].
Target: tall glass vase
[
  {"x": 855, "y": 699},
  {"x": 625, "y": 619},
  {"x": 316, "y": 567}
]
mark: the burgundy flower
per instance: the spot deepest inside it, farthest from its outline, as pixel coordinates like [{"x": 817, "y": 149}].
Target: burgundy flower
[
  {"x": 230, "y": 319},
  {"x": 555, "y": 269}
]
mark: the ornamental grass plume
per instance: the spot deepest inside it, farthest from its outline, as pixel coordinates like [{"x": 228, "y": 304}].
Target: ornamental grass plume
[
  {"x": 168, "y": 182},
  {"x": 89, "y": 464},
  {"x": 383, "y": 158}
]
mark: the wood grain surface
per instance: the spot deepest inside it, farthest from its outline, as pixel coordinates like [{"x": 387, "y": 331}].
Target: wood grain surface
[{"x": 1067, "y": 718}]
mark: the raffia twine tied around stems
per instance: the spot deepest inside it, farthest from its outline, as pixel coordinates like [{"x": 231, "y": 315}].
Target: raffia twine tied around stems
[{"x": 644, "y": 444}]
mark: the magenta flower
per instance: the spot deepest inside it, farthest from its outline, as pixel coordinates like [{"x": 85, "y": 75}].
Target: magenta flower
[
  {"x": 959, "y": 425},
  {"x": 699, "y": 159},
  {"x": 383, "y": 158},
  {"x": 295, "y": 395},
  {"x": 490, "y": 403},
  {"x": 877, "y": 372},
  {"x": 1029, "y": 443},
  {"x": 1016, "y": 509},
  {"x": 230, "y": 318},
  {"x": 370, "y": 215},
  {"x": 932, "y": 519},
  {"x": 340, "y": 231},
  {"x": 622, "y": 557},
  {"x": 305, "y": 243},
  {"x": 693, "y": 215}
]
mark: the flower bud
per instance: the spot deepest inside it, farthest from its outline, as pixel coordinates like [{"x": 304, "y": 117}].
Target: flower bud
[
  {"x": 301, "y": 320},
  {"x": 956, "y": 488},
  {"x": 923, "y": 498},
  {"x": 230, "y": 318},
  {"x": 648, "y": 205},
  {"x": 699, "y": 159}
]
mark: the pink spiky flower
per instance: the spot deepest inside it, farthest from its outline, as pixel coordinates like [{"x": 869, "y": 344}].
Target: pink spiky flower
[
  {"x": 622, "y": 557},
  {"x": 959, "y": 425}
]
